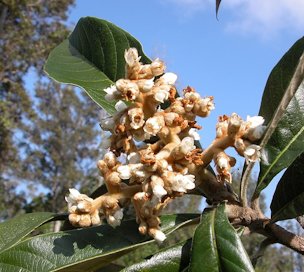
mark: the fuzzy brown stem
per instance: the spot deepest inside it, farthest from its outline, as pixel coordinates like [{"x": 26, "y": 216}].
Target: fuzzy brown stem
[
  {"x": 125, "y": 193},
  {"x": 258, "y": 223}
]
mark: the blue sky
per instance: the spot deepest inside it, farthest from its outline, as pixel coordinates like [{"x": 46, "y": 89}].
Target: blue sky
[{"x": 229, "y": 58}]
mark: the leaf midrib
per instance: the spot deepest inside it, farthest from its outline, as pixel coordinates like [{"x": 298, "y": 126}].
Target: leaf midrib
[{"x": 281, "y": 154}]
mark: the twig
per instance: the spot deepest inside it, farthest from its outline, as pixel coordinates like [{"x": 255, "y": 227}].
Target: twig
[{"x": 246, "y": 216}]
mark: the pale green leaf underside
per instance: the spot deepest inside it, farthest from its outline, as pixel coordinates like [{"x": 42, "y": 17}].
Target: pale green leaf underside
[{"x": 66, "y": 65}]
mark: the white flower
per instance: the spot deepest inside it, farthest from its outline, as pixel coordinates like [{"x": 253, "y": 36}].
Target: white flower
[
  {"x": 170, "y": 117},
  {"x": 131, "y": 57},
  {"x": 187, "y": 145},
  {"x": 159, "y": 191},
  {"x": 145, "y": 85},
  {"x": 136, "y": 117},
  {"x": 157, "y": 67},
  {"x": 124, "y": 171},
  {"x": 193, "y": 133},
  {"x": 161, "y": 94},
  {"x": 137, "y": 169},
  {"x": 256, "y": 129},
  {"x": 255, "y": 121},
  {"x": 169, "y": 78},
  {"x": 207, "y": 104},
  {"x": 110, "y": 159},
  {"x": 223, "y": 163},
  {"x": 120, "y": 106},
  {"x": 115, "y": 219},
  {"x": 235, "y": 120},
  {"x": 182, "y": 183},
  {"x": 154, "y": 124},
  {"x": 128, "y": 88},
  {"x": 193, "y": 96},
  {"x": 159, "y": 236},
  {"x": 73, "y": 197},
  {"x": 77, "y": 201},
  {"x": 170, "y": 168},
  {"x": 157, "y": 185},
  {"x": 112, "y": 93},
  {"x": 252, "y": 153}
]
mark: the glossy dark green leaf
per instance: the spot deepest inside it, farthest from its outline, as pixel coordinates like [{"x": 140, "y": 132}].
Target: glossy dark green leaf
[
  {"x": 217, "y": 6},
  {"x": 173, "y": 259},
  {"x": 288, "y": 199},
  {"x": 77, "y": 250},
  {"x": 217, "y": 246},
  {"x": 14, "y": 230},
  {"x": 92, "y": 58},
  {"x": 285, "y": 143}
]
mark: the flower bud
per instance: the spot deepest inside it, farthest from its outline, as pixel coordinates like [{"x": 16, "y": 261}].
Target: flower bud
[
  {"x": 252, "y": 153},
  {"x": 128, "y": 89},
  {"x": 157, "y": 67},
  {"x": 124, "y": 172},
  {"x": 193, "y": 133},
  {"x": 112, "y": 93},
  {"x": 131, "y": 56},
  {"x": 136, "y": 117},
  {"x": 154, "y": 124},
  {"x": 110, "y": 159},
  {"x": 168, "y": 78},
  {"x": 120, "y": 106},
  {"x": 145, "y": 85}
]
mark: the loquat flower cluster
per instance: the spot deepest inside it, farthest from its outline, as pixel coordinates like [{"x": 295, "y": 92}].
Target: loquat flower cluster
[{"x": 162, "y": 161}]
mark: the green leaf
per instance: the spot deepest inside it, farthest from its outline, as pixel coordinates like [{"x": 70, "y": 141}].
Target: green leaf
[
  {"x": 217, "y": 6},
  {"x": 77, "y": 250},
  {"x": 173, "y": 259},
  {"x": 216, "y": 245},
  {"x": 288, "y": 198},
  {"x": 283, "y": 109},
  {"x": 93, "y": 58},
  {"x": 14, "y": 230}
]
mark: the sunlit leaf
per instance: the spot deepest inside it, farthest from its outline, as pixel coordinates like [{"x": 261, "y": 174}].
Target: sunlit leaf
[
  {"x": 173, "y": 259},
  {"x": 217, "y": 246},
  {"x": 283, "y": 109}
]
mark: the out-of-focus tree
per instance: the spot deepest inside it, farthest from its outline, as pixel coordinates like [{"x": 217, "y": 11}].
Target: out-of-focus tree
[
  {"x": 63, "y": 145},
  {"x": 28, "y": 32}
]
